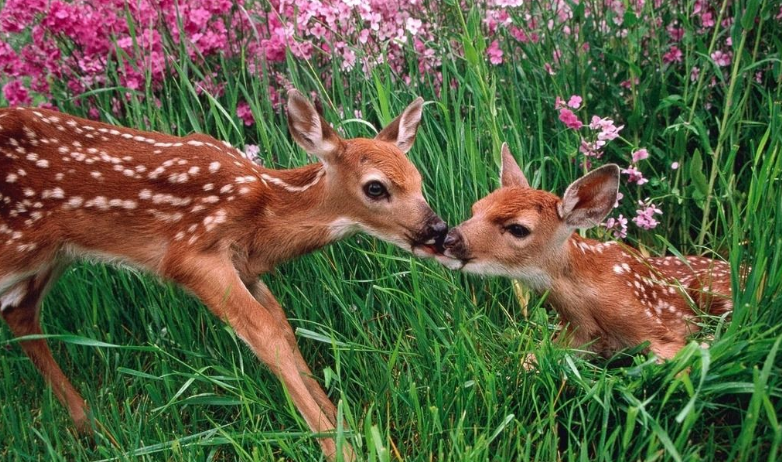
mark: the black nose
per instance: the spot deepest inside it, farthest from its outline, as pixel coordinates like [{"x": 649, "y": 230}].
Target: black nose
[
  {"x": 452, "y": 240},
  {"x": 438, "y": 227}
]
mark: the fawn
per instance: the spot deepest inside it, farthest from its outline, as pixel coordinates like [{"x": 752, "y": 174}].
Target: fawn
[
  {"x": 194, "y": 211},
  {"x": 605, "y": 293}
]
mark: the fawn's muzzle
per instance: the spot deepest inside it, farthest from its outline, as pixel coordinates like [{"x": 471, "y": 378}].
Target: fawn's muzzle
[
  {"x": 454, "y": 245},
  {"x": 432, "y": 235}
]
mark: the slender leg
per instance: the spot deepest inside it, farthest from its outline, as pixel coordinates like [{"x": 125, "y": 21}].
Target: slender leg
[
  {"x": 214, "y": 280},
  {"x": 22, "y": 305},
  {"x": 265, "y": 298}
]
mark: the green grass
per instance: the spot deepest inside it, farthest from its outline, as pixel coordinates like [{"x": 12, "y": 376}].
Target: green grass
[{"x": 426, "y": 363}]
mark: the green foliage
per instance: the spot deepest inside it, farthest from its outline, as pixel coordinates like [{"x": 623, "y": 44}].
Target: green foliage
[{"x": 425, "y": 363}]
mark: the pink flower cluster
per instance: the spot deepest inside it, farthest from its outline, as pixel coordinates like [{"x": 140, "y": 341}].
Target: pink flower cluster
[
  {"x": 644, "y": 217},
  {"x": 74, "y": 45},
  {"x": 600, "y": 131}
]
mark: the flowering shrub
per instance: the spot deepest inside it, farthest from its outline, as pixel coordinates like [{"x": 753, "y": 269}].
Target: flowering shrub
[
  {"x": 76, "y": 45},
  {"x": 653, "y": 67}
]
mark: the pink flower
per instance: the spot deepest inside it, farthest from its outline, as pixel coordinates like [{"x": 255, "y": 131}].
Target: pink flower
[
  {"x": 494, "y": 53},
  {"x": 674, "y": 166},
  {"x": 640, "y": 154},
  {"x": 244, "y": 112},
  {"x": 617, "y": 226},
  {"x": 569, "y": 119},
  {"x": 590, "y": 149},
  {"x": 608, "y": 131},
  {"x": 676, "y": 33},
  {"x": 519, "y": 34},
  {"x": 722, "y": 59},
  {"x": 16, "y": 94},
  {"x": 318, "y": 31},
  {"x": 645, "y": 216},
  {"x": 674, "y": 55},
  {"x": 694, "y": 74},
  {"x": 559, "y": 103},
  {"x": 635, "y": 176},
  {"x": 574, "y": 101},
  {"x": 413, "y": 25}
]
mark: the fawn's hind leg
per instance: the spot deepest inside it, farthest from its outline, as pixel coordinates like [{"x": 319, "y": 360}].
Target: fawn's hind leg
[{"x": 21, "y": 305}]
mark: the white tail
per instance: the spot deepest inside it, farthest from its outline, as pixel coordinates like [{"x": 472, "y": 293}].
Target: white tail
[
  {"x": 194, "y": 211},
  {"x": 605, "y": 293}
]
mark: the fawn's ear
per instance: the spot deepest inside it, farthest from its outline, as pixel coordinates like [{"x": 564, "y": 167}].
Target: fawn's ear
[
  {"x": 588, "y": 200},
  {"x": 510, "y": 172},
  {"x": 309, "y": 129},
  {"x": 401, "y": 131}
]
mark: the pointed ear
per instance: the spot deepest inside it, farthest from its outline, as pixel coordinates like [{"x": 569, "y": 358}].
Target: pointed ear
[
  {"x": 401, "y": 131},
  {"x": 590, "y": 198},
  {"x": 510, "y": 173},
  {"x": 309, "y": 129}
]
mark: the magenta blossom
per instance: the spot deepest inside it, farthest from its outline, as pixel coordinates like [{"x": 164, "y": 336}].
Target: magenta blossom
[
  {"x": 722, "y": 59},
  {"x": 635, "y": 175},
  {"x": 574, "y": 102},
  {"x": 617, "y": 226},
  {"x": 16, "y": 94},
  {"x": 645, "y": 215},
  {"x": 244, "y": 112},
  {"x": 640, "y": 154},
  {"x": 494, "y": 53},
  {"x": 569, "y": 119},
  {"x": 674, "y": 55}
]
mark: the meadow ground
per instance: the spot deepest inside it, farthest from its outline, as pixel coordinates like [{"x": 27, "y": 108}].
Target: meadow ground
[{"x": 426, "y": 364}]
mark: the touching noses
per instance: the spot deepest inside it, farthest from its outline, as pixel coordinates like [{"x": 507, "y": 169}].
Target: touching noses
[
  {"x": 453, "y": 239},
  {"x": 438, "y": 228},
  {"x": 454, "y": 246}
]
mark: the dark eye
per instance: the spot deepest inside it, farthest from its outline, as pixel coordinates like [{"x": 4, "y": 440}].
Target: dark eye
[
  {"x": 375, "y": 190},
  {"x": 518, "y": 231}
]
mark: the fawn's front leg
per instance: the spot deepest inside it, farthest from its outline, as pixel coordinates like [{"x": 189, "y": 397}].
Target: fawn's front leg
[
  {"x": 215, "y": 281},
  {"x": 265, "y": 298}
]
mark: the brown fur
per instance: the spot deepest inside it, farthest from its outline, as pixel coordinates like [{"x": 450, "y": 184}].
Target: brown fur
[
  {"x": 209, "y": 219},
  {"x": 607, "y": 294}
]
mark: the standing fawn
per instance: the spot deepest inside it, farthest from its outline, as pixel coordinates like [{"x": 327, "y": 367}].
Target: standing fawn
[
  {"x": 193, "y": 210},
  {"x": 605, "y": 293}
]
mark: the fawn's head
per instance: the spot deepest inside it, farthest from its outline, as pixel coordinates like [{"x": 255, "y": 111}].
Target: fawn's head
[
  {"x": 516, "y": 230},
  {"x": 371, "y": 185}
]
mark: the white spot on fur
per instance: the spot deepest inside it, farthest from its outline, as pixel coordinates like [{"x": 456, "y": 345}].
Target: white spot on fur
[{"x": 291, "y": 188}]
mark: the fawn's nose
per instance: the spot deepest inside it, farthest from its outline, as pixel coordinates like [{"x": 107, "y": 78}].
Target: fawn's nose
[
  {"x": 438, "y": 227},
  {"x": 453, "y": 239}
]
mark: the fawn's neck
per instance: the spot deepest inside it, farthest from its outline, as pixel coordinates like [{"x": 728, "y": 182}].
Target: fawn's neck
[
  {"x": 578, "y": 275},
  {"x": 295, "y": 215}
]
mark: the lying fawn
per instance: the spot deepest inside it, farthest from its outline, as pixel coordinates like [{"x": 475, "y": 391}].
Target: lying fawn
[
  {"x": 193, "y": 210},
  {"x": 605, "y": 293}
]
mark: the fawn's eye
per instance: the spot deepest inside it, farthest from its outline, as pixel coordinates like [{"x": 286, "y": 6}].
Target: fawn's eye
[
  {"x": 375, "y": 190},
  {"x": 518, "y": 231}
]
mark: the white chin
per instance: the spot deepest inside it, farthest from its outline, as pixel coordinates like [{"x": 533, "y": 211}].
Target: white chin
[{"x": 450, "y": 263}]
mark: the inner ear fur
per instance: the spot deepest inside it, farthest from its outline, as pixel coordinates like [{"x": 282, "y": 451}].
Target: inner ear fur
[
  {"x": 402, "y": 130},
  {"x": 588, "y": 200},
  {"x": 309, "y": 129}
]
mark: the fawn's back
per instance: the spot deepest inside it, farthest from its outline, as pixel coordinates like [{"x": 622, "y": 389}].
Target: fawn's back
[{"x": 116, "y": 190}]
